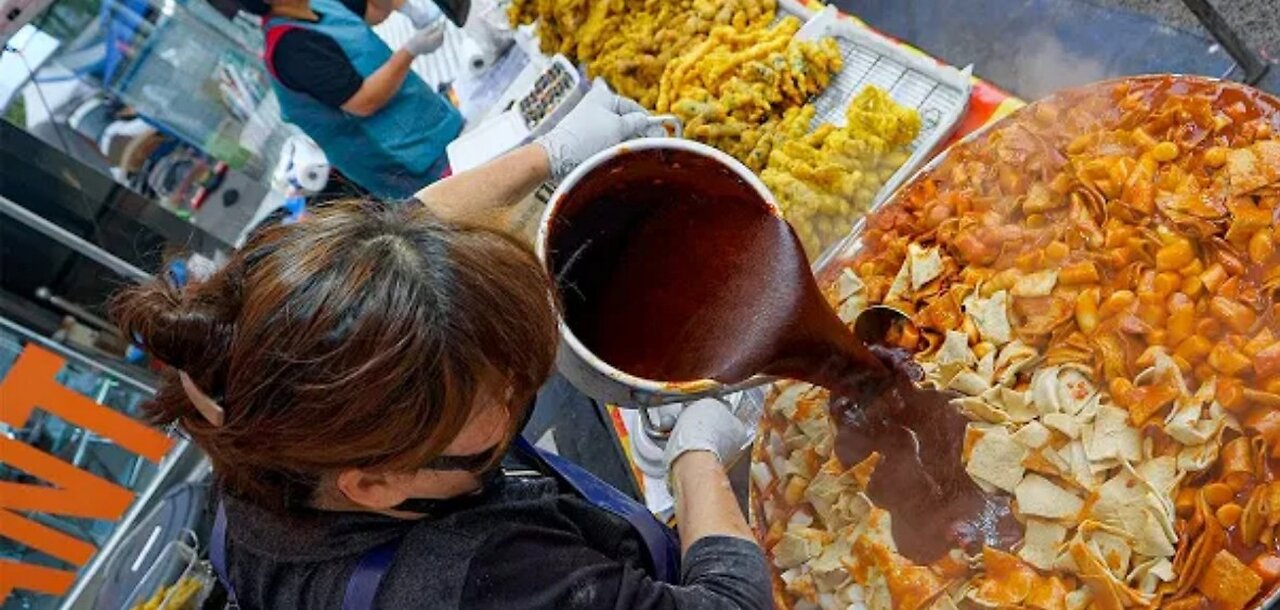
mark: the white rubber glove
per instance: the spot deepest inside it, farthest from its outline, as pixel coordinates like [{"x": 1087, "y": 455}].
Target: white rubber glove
[
  {"x": 421, "y": 13},
  {"x": 707, "y": 425},
  {"x": 599, "y": 121},
  {"x": 426, "y": 40}
]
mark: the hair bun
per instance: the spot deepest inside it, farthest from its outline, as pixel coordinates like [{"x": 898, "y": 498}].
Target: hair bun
[{"x": 184, "y": 329}]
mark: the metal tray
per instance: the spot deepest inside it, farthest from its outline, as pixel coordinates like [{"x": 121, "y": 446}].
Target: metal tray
[{"x": 939, "y": 92}]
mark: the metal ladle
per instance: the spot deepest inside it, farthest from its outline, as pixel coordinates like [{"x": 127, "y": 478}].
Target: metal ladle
[{"x": 873, "y": 324}]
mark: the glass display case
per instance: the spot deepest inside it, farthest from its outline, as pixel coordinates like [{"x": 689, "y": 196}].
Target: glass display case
[{"x": 225, "y": 105}]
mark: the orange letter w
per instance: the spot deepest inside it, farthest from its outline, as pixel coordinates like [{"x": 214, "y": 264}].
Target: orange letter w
[{"x": 76, "y": 493}]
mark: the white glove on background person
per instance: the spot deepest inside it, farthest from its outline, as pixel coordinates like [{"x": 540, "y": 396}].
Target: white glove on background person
[
  {"x": 421, "y": 13},
  {"x": 707, "y": 425},
  {"x": 599, "y": 121},
  {"x": 426, "y": 40}
]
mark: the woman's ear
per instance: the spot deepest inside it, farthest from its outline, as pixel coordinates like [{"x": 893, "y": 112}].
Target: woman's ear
[{"x": 375, "y": 490}]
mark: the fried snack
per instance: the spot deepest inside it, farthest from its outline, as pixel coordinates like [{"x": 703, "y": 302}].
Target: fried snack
[
  {"x": 182, "y": 595},
  {"x": 751, "y": 71},
  {"x": 827, "y": 178},
  {"x": 631, "y": 42},
  {"x": 745, "y": 91},
  {"x": 742, "y": 84},
  {"x": 738, "y": 81},
  {"x": 1096, "y": 276}
]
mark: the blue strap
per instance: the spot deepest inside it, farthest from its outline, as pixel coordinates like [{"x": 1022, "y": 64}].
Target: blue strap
[
  {"x": 362, "y": 586},
  {"x": 218, "y": 552},
  {"x": 659, "y": 540}
]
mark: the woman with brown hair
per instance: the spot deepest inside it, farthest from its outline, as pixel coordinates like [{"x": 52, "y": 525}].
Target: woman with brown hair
[{"x": 359, "y": 381}]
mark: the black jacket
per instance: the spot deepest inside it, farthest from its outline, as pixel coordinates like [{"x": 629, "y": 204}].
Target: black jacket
[{"x": 527, "y": 545}]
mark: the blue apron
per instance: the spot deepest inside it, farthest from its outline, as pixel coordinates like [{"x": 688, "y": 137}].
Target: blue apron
[
  {"x": 392, "y": 153},
  {"x": 362, "y": 586}
]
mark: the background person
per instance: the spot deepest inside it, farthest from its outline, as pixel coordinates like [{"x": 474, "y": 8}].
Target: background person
[{"x": 376, "y": 121}]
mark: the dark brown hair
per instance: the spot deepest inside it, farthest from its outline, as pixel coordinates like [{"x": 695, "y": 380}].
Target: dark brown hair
[{"x": 359, "y": 337}]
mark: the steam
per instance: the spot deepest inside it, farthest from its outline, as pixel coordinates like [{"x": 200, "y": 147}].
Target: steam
[{"x": 1042, "y": 65}]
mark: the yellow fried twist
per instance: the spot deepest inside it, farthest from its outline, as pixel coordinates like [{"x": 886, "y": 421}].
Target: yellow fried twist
[
  {"x": 825, "y": 179},
  {"x": 630, "y": 43},
  {"x": 756, "y": 81}
]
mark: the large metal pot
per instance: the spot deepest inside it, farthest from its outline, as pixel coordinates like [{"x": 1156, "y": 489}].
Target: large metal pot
[{"x": 585, "y": 370}]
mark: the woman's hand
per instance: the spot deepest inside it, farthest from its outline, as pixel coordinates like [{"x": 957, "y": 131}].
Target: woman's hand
[
  {"x": 488, "y": 194},
  {"x": 426, "y": 41},
  {"x": 707, "y": 425},
  {"x": 707, "y": 437},
  {"x": 602, "y": 119}
]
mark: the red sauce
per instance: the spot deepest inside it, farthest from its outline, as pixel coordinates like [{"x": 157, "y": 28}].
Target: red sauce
[
  {"x": 671, "y": 267},
  {"x": 921, "y": 481}
]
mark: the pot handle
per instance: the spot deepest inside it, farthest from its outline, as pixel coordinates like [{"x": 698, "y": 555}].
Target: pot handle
[
  {"x": 671, "y": 123},
  {"x": 653, "y": 425},
  {"x": 656, "y": 429},
  {"x": 641, "y": 399}
]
